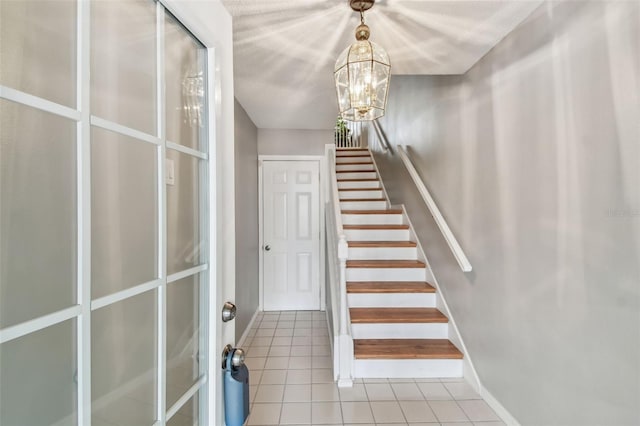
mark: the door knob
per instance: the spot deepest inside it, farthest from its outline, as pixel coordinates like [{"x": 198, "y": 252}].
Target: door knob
[
  {"x": 228, "y": 311},
  {"x": 267, "y": 247}
]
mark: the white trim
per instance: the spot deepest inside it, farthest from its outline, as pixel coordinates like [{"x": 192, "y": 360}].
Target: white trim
[
  {"x": 244, "y": 336},
  {"x": 84, "y": 211},
  {"x": 39, "y": 103},
  {"x": 185, "y": 397},
  {"x": 110, "y": 299},
  {"x": 161, "y": 296},
  {"x": 16, "y": 331},
  {"x": 124, "y": 130},
  {"x": 186, "y": 150},
  {"x": 266, "y": 157},
  {"x": 187, "y": 273},
  {"x": 457, "y": 251},
  {"x": 321, "y": 257},
  {"x": 260, "y": 238},
  {"x": 502, "y": 412}
]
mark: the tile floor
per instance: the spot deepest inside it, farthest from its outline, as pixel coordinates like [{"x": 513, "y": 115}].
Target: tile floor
[{"x": 288, "y": 355}]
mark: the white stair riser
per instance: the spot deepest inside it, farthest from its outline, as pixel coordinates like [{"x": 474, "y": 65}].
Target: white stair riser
[
  {"x": 345, "y": 153},
  {"x": 392, "y": 300},
  {"x": 363, "y": 205},
  {"x": 407, "y": 368},
  {"x": 356, "y": 175},
  {"x": 361, "y": 194},
  {"x": 372, "y": 219},
  {"x": 383, "y": 253},
  {"x": 386, "y": 274},
  {"x": 377, "y": 234},
  {"x": 400, "y": 331},
  {"x": 353, "y": 159},
  {"x": 359, "y": 184},
  {"x": 359, "y": 167}
]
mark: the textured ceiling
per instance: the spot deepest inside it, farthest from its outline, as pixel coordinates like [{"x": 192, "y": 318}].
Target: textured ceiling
[{"x": 285, "y": 50}]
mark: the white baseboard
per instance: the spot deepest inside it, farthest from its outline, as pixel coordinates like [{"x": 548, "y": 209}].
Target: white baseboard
[
  {"x": 502, "y": 412},
  {"x": 240, "y": 342}
]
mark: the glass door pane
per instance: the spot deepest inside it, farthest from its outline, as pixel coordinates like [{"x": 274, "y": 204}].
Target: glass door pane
[
  {"x": 124, "y": 212},
  {"x": 37, "y": 213},
  {"x": 38, "y": 378},
  {"x": 185, "y": 88},
  {"x": 123, "y": 361},
  {"x": 38, "y": 48},
  {"x": 123, "y": 62}
]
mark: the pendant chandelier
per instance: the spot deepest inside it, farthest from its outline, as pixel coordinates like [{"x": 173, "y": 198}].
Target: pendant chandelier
[{"x": 362, "y": 74}]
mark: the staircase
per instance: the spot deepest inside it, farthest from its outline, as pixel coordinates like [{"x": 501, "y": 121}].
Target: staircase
[{"x": 397, "y": 329}]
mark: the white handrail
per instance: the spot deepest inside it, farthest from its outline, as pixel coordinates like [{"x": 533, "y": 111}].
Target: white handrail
[
  {"x": 343, "y": 351},
  {"x": 457, "y": 251}
]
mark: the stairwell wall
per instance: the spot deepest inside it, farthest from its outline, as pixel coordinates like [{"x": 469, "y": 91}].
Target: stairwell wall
[
  {"x": 532, "y": 157},
  {"x": 293, "y": 141},
  {"x": 246, "y": 167}
]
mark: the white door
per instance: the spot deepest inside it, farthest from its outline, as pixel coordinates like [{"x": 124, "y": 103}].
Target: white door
[
  {"x": 104, "y": 272},
  {"x": 291, "y": 235}
]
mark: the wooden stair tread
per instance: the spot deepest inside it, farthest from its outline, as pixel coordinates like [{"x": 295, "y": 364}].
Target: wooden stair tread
[
  {"x": 382, "y": 244},
  {"x": 357, "y": 180},
  {"x": 363, "y": 199},
  {"x": 375, "y": 264},
  {"x": 359, "y": 189},
  {"x": 396, "y": 315},
  {"x": 389, "y": 287},
  {"x": 405, "y": 349},
  {"x": 355, "y": 163},
  {"x": 351, "y": 149},
  {"x": 356, "y": 171},
  {"x": 388, "y": 211},
  {"x": 354, "y": 156},
  {"x": 401, "y": 226}
]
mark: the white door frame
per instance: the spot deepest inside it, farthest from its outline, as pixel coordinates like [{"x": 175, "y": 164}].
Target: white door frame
[{"x": 321, "y": 163}]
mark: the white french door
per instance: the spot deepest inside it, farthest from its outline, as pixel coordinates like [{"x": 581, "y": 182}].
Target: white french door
[
  {"x": 291, "y": 235},
  {"x": 104, "y": 267}
]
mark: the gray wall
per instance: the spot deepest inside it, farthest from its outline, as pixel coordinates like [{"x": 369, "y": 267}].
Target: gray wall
[
  {"x": 533, "y": 157},
  {"x": 246, "y": 136},
  {"x": 293, "y": 142}
]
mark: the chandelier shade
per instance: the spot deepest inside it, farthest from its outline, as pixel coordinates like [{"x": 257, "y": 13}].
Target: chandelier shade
[{"x": 362, "y": 74}]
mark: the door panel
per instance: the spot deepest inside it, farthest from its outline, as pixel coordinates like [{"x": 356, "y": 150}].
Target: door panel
[{"x": 291, "y": 235}]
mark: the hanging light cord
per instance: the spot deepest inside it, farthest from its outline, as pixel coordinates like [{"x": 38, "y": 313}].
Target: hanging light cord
[{"x": 361, "y": 15}]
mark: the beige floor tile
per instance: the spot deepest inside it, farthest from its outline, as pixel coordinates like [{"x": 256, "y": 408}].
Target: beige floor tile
[
  {"x": 321, "y": 375},
  {"x": 448, "y": 411},
  {"x": 461, "y": 390},
  {"x": 269, "y": 393},
  {"x": 298, "y": 377},
  {"x": 326, "y": 413},
  {"x": 478, "y": 411},
  {"x": 355, "y": 393},
  {"x": 407, "y": 392},
  {"x": 418, "y": 411},
  {"x": 295, "y": 413},
  {"x": 297, "y": 393},
  {"x": 325, "y": 392},
  {"x": 434, "y": 391},
  {"x": 265, "y": 414},
  {"x": 276, "y": 363},
  {"x": 279, "y": 350},
  {"x": 274, "y": 377},
  {"x": 357, "y": 412},
  {"x": 387, "y": 412},
  {"x": 299, "y": 363},
  {"x": 379, "y": 392}
]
